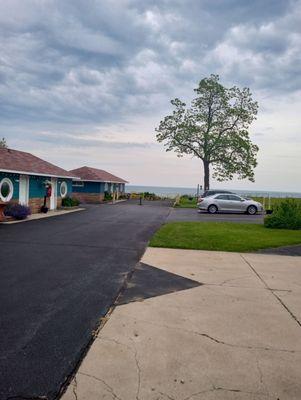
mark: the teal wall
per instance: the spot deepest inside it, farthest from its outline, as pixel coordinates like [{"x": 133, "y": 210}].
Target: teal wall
[
  {"x": 89, "y": 187},
  {"x": 97, "y": 187},
  {"x": 36, "y": 185}
]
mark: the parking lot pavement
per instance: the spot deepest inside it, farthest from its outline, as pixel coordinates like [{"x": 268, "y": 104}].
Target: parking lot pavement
[
  {"x": 192, "y": 214},
  {"x": 58, "y": 277},
  {"x": 222, "y": 326}
]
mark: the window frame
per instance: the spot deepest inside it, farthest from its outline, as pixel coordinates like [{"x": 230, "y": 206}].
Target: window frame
[
  {"x": 11, "y": 190},
  {"x": 63, "y": 184}
]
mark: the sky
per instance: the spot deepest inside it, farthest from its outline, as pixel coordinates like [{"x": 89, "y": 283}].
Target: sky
[{"x": 86, "y": 82}]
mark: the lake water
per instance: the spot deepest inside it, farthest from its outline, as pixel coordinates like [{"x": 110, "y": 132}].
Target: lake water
[{"x": 174, "y": 191}]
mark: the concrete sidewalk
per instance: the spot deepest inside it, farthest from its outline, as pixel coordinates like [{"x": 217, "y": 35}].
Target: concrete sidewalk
[{"x": 235, "y": 334}]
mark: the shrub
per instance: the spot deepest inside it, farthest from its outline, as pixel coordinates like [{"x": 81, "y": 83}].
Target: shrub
[
  {"x": 149, "y": 196},
  {"x": 108, "y": 196},
  {"x": 17, "y": 211},
  {"x": 286, "y": 215},
  {"x": 70, "y": 202}
]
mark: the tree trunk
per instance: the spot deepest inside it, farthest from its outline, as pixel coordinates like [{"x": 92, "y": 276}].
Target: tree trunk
[{"x": 206, "y": 175}]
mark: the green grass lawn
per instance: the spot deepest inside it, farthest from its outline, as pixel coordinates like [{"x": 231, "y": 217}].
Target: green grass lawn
[{"x": 224, "y": 236}]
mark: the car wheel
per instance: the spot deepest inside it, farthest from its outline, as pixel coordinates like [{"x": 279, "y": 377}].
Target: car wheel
[
  {"x": 212, "y": 209},
  {"x": 251, "y": 210}
]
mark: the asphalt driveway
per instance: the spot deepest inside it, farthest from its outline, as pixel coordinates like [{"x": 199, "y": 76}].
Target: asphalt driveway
[{"x": 58, "y": 277}]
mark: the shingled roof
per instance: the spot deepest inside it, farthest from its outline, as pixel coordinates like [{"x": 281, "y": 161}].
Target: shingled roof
[
  {"x": 96, "y": 175},
  {"x": 16, "y": 161}
]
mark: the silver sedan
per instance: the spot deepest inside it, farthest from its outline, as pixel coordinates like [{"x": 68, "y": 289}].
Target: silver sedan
[{"x": 229, "y": 203}]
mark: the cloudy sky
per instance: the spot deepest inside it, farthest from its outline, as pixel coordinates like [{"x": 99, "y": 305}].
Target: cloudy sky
[{"x": 87, "y": 81}]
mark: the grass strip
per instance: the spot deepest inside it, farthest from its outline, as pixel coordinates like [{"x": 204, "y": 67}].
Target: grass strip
[{"x": 222, "y": 236}]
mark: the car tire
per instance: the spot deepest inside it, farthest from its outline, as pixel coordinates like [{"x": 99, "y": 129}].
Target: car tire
[
  {"x": 212, "y": 209},
  {"x": 251, "y": 210}
]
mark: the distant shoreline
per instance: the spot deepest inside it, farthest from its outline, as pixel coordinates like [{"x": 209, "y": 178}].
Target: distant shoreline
[{"x": 174, "y": 191}]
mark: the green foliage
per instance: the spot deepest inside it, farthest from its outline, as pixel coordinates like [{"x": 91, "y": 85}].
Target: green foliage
[
  {"x": 145, "y": 196},
  {"x": 3, "y": 143},
  {"x": 286, "y": 215},
  {"x": 274, "y": 201},
  {"x": 222, "y": 236},
  {"x": 70, "y": 202},
  {"x": 187, "y": 201},
  {"x": 150, "y": 196},
  {"x": 215, "y": 129},
  {"x": 108, "y": 196}
]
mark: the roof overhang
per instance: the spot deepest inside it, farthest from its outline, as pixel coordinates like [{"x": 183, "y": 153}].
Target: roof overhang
[
  {"x": 99, "y": 181},
  {"x": 38, "y": 174}
]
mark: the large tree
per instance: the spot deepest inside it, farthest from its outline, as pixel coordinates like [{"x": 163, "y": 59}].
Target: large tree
[
  {"x": 215, "y": 129},
  {"x": 3, "y": 143}
]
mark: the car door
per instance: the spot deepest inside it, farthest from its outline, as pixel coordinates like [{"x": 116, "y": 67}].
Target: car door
[
  {"x": 235, "y": 203},
  {"x": 222, "y": 202}
]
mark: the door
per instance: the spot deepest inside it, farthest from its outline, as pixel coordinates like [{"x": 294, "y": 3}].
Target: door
[
  {"x": 24, "y": 190},
  {"x": 53, "y": 197},
  {"x": 235, "y": 203},
  {"x": 222, "y": 202}
]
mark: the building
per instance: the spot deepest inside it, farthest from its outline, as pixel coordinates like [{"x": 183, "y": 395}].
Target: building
[
  {"x": 27, "y": 179},
  {"x": 94, "y": 183}
]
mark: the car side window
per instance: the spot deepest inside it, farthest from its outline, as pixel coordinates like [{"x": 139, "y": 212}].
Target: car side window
[
  {"x": 222, "y": 197},
  {"x": 234, "y": 198}
]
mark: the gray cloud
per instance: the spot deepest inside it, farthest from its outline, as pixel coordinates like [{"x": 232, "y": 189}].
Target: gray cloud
[{"x": 89, "y": 63}]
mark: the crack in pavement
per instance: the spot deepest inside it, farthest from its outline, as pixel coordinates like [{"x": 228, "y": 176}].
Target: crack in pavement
[
  {"x": 75, "y": 388},
  {"x": 223, "y": 284},
  {"x": 138, "y": 369},
  {"x": 218, "y": 388},
  {"x": 167, "y": 395},
  {"x": 106, "y": 339},
  {"x": 261, "y": 377},
  {"x": 215, "y": 340},
  {"x": 107, "y": 386},
  {"x": 135, "y": 354},
  {"x": 271, "y": 290},
  {"x": 241, "y": 391}
]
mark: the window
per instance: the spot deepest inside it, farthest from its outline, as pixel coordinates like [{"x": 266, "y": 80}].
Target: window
[
  {"x": 63, "y": 189},
  {"x": 234, "y": 198},
  {"x": 222, "y": 197},
  {"x": 106, "y": 187},
  {"x": 6, "y": 190}
]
